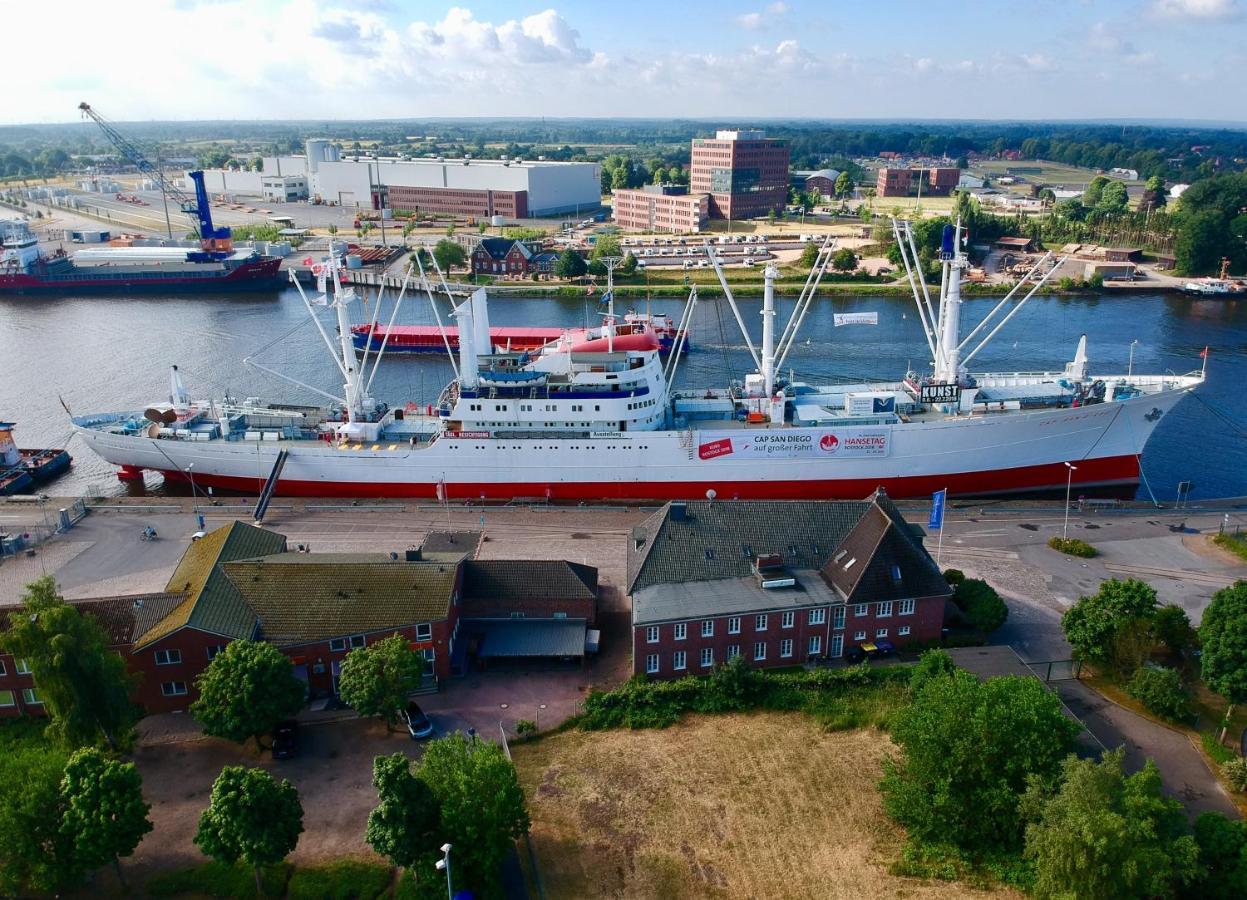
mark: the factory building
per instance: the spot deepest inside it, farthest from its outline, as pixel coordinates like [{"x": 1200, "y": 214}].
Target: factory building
[
  {"x": 465, "y": 187},
  {"x": 661, "y": 207},
  {"x": 744, "y": 172}
]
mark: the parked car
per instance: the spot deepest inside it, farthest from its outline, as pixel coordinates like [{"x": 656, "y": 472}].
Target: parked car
[
  {"x": 418, "y": 724},
  {"x": 286, "y": 740}
]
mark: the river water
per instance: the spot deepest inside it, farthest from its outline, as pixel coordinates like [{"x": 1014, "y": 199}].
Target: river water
[{"x": 111, "y": 353}]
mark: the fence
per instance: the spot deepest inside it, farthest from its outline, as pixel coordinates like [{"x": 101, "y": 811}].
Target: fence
[
  {"x": 1056, "y": 670},
  {"x": 528, "y": 845}
]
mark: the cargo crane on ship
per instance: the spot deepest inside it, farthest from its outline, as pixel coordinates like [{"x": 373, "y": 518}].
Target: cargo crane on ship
[{"x": 215, "y": 241}]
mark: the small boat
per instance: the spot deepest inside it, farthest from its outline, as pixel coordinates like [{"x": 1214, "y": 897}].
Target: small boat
[
  {"x": 1208, "y": 287},
  {"x": 20, "y": 470}
]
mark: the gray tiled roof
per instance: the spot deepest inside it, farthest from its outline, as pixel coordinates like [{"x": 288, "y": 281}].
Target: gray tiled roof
[
  {"x": 727, "y": 596},
  {"x": 529, "y": 579},
  {"x": 528, "y": 637},
  {"x": 882, "y": 560},
  {"x": 123, "y": 618},
  {"x": 722, "y": 539}
]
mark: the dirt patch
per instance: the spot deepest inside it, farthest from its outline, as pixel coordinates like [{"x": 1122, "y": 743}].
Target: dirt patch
[
  {"x": 1202, "y": 545},
  {"x": 750, "y": 805}
]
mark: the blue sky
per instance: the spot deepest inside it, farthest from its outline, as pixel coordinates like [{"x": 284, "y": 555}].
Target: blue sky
[{"x": 194, "y": 59}]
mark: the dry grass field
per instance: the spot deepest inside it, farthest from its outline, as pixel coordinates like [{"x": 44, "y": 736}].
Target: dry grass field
[{"x": 742, "y": 806}]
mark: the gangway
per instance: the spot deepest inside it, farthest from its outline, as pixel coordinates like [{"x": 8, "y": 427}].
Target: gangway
[{"x": 270, "y": 486}]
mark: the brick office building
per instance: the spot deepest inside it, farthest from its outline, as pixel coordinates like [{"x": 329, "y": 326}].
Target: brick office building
[
  {"x": 661, "y": 207},
  {"x": 457, "y": 201},
  {"x": 238, "y": 582},
  {"x": 936, "y": 182},
  {"x": 778, "y": 583},
  {"x": 744, "y": 172}
]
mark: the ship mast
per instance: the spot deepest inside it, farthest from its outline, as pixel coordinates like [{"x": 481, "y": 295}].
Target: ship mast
[
  {"x": 353, "y": 388},
  {"x": 948, "y": 362},
  {"x": 768, "y": 329}
]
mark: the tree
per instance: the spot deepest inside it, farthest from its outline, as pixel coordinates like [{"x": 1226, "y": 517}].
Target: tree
[
  {"x": 35, "y": 856},
  {"x": 250, "y": 817},
  {"x": 982, "y": 607},
  {"x": 844, "y": 260},
  {"x": 771, "y": 216},
  {"x": 1114, "y": 200},
  {"x": 246, "y": 690},
  {"x": 931, "y": 664},
  {"x": 1223, "y": 636},
  {"x": 1172, "y": 627},
  {"x": 628, "y": 265},
  {"x": 1099, "y": 626},
  {"x": 448, "y": 254},
  {"x": 844, "y": 184},
  {"x": 377, "y": 680},
  {"x": 1095, "y": 190},
  {"x": 1222, "y": 873},
  {"x": 1161, "y": 691},
  {"x": 968, "y": 748},
  {"x": 83, "y": 684},
  {"x": 1105, "y": 835},
  {"x": 809, "y": 255},
  {"x": 607, "y": 245},
  {"x": 482, "y": 804},
  {"x": 405, "y": 825},
  {"x": 105, "y": 814},
  {"x": 1153, "y": 194},
  {"x": 570, "y": 264}
]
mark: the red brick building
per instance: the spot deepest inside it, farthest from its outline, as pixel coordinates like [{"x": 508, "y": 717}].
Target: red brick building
[
  {"x": 458, "y": 201},
  {"x": 503, "y": 257},
  {"x": 936, "y": 182},
  {"x": 661, "y": 207},
  {"x": 777, "y": 583},
  {"x": 239, "y": 582},
  {"x": 744, "y": 172}
]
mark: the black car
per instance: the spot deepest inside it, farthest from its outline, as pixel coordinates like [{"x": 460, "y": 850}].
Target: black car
[
  {"x": 418, "y": 724},
  {"x": 286, "y": 740}
]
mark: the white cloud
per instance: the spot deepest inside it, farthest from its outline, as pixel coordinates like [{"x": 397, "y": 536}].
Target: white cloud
[
  {"x": 751, "y": 20},
  {"x": 764, "y": 18},
  {"x": 1196, "y": 9}
]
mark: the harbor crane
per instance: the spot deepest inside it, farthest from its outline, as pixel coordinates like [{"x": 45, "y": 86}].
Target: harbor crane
[{"x": 216, "y": 241}]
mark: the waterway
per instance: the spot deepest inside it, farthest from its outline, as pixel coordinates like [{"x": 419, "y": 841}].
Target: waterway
[{"x": 108, "y": 353}]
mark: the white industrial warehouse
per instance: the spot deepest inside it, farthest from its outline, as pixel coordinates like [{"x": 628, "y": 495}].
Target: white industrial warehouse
[{"x": 516, "y": 188}]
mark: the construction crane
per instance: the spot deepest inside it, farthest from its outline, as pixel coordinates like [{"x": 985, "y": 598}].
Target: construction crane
[{"x": 217, "y": 242}]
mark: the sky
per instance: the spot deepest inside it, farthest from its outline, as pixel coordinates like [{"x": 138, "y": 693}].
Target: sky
[{"x": 828, "y": 59}]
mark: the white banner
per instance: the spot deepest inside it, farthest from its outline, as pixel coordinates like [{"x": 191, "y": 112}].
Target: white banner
[
  {"x": 794, "y": 443},
  {"x": 870, "y": 318}
]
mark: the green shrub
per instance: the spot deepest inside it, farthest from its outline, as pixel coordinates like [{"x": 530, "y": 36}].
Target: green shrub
[
  {"x": 1072, "y": 547},
  {"x": 1235, "y": 772},
  {"x": 344, "y": 879},
  {"x": 1214, "y": 748},
  {"x": 1235, "y": 543},
  {"x": 932, "y": 664},
  {"x": 640, "y": 703},
  {"x": 525, "y": 726},
  {"x": 954, "y": 576},
  {"x": 214, "y": 879},
  {"x": 1161, "y": 691},
  {"x": 1172, "y": 627},
  {"x": 982, "y": 607},
  {"x": 426, "y": 883}
]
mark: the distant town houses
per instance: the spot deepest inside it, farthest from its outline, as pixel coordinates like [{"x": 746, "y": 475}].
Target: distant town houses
[
  {"x": 506, "y": 257},
  {"x": 777, "y": 584},
  {"x": 242, "y": 582}
]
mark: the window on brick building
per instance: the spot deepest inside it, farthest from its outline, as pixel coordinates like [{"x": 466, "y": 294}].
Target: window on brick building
[
  {"x": 759, "y": 622},
  {"x": 818, "y": 616},
  {"x": 679, "y": 660},
  {"x": 903, "y": 631},
  {"x": 214, "y": 651},
  {"x": 21, "y": 667},
  {"x": 31, "y": 697},
  {"x": 815, "y": 645},
  {"x": 707, "y": 656},
  {"x": 8, "y": 698},
  {"x": 759, "y": 650},
  {"x": 681, "y": 631},
  {"x": 424, "y": 631},
  {"x": 168, "y": 657},
  {"x": 907, "y": 607},
  {"x": 785, "y": 648},
  {"x": 651, "y": 663},
  {"x": 651, "y": 634},
  {"x": 733, "y": 651},
  {"x": 707, "y": 628},
  {"x": 884, "y": 609},
  {"x": 173, "y": 688},
  {"x": 787, "y": 620},
  {"x": 861, "y": 609},
  {"x": 881, "y": 632},
  {"x": 733, "y": 625},
  {"x": 859, "y": 635},
  {"x": 3, "y": 670}
]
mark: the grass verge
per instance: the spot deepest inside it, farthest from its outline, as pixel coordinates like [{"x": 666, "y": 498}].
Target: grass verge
[
  {"x": 1236, "y": 543},
  {"x": 1072, "y": 547}
]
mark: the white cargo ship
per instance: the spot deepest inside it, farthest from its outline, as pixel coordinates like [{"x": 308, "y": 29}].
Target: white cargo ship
[{"x": 568, "y": 425}]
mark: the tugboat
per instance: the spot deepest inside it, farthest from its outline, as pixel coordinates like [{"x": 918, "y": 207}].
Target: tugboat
[{"x": 20, "y": 470}]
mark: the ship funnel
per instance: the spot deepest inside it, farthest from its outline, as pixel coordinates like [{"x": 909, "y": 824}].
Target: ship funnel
[
  {"x": 177, "y": 391},
  {"x": 1077, "y": 369},
  {"x": 480, "y": 323},
  {"x": 468, "y": 364}
]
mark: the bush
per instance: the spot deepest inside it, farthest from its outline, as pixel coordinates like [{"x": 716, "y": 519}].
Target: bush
[
  {"x": 214, "y": 879},
  {"x": 932, "y": 664},
  {"x": 1161, "y": 691},
  {"x": 1172, "y": 627},
  {"x": 345, "y": 879},
  {"x": 1235, "y": 543},
  {"x": 639, "y": 703},
  {"x": 1072, "y": 547},
  {"x": 525, "y": 726},
  {"x": 981, "y": 605},
  {"x": 1235, "y": 772},
  {"x": 954, "y": 576}
]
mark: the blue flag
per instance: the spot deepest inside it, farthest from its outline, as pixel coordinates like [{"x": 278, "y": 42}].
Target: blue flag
[
  {"x": 606, "y": 297},
  {"x": 936, "y": 522}
]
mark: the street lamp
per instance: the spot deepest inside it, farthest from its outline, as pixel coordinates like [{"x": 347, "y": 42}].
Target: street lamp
[
  {"x": 191, "y": 475},
  {"x": 1130, "y": 368},
  {"x": 1069, "y": 482},
  {"x": 443, "y": 864}
]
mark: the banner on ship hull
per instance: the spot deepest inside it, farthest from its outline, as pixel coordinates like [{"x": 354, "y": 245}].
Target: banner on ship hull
[{"x": 813, "y": 443}]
